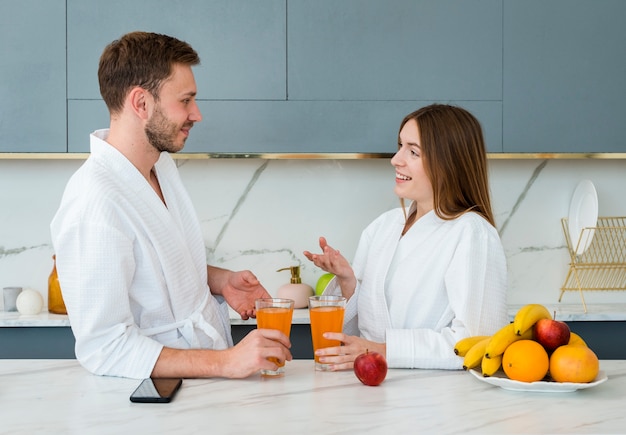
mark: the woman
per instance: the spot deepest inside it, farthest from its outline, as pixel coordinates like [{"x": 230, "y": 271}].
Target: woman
[{"x": 424, "y": 278}]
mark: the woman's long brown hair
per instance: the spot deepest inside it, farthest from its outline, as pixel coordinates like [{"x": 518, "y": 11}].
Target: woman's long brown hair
[{"x": 455, "y": 160}]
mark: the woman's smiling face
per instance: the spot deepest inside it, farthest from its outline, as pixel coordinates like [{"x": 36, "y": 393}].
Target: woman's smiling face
[{"x": 412, "y": 181}]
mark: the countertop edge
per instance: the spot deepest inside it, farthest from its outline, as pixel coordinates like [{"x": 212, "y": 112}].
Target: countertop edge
[{"x": 569, "y": 313}]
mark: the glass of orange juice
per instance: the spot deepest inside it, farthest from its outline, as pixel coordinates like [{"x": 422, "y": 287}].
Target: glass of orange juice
[
  {"x": 326, "y": 316},
  {"x": 274, "y": 313}
]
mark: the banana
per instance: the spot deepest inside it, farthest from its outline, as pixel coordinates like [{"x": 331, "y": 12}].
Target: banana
[
  {"x": 463, "y": 345},
  {"x": 528, "y": 315},
  {"x": 503, "y": 338},
  {"x": 474, "y": 356},
  {"x": 490, "y": 365}
]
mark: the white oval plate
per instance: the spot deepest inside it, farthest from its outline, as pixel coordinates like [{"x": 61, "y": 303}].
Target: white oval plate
[
  {"x": 583, "y": 213},
  {"x": 499, "y": 379}
]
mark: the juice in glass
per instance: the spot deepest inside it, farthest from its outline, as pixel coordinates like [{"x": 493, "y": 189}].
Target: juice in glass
[
  {"x": 326, "y": 313},
  {"x": 274, "y": 313}
]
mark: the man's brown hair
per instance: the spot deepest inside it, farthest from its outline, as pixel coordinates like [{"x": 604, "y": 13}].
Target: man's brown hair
[{"x": 140, "y": 59}]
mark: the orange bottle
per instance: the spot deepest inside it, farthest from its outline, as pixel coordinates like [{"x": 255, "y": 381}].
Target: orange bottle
[{"x": 55, "y": 298}]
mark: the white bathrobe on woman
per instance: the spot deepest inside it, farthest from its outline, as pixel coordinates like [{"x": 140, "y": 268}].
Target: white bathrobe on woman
[
  {"x": 419, "y": 293},
  {"x": 132, "y": 269}
]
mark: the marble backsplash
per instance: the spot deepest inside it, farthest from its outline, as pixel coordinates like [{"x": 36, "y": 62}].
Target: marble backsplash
[{"x": 261, "y": 214}]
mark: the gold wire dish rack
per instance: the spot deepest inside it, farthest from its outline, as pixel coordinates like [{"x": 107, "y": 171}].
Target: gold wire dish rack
[{"x": 602, "y": 265}]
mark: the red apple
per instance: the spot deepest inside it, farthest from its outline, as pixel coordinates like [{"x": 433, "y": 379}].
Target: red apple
[
  {"x": 370, "y": 368},
  {"x": 551, "y": 334}
]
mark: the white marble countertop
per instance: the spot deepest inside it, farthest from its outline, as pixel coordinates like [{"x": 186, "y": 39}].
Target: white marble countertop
[
  {"x": 46, "y": 319},
  {"x": 565, "y": 312},
  {"x": 59, "y": 396}
]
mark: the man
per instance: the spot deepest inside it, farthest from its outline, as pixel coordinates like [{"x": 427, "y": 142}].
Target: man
[{"x": 130, "y": 255}]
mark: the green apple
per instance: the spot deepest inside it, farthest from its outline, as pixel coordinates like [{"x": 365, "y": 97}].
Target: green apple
[{"x": 322, "y": 282}]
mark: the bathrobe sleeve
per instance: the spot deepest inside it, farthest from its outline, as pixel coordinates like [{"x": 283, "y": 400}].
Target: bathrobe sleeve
[{"x": 95, "y": 290}]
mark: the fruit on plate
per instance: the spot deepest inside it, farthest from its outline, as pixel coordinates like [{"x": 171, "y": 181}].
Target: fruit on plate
[
  {"x": 503, "y": 339},
  {"x": 489, "y": 366},
  {"x": 528, "y": 315},
  {"x": 463, "y": 345},
  {"x": 322, "y": 282},
  {"x": 526, "y": 361},
  {"x": 474, "y": 356},
  {"x": 574, "y": 363},
  {"x": 551, "y": 333},
  {"x": 529, "y": 349},
  {"x": 370, "y": 368},
  {"x": 576, "y": 340}
]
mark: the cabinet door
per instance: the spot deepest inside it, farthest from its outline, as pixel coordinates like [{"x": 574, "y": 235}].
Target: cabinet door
[
  {"x": 564, "y": 72},
  {"x": 317, "y": 126},
  {"x": 241, "y": 44},
  {"x": 400, "y": 55},
  {"x": 395, "y": 50},
  {"x": 32, "y": 68}
]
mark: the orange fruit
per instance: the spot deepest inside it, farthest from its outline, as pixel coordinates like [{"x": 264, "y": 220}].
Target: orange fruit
[
  {"x": 574, "y": 363},
  {"x": 526, "y": 361}
]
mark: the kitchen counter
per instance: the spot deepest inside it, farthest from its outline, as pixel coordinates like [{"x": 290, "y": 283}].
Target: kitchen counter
[
  {"x": 48, "y": 335},
  {"x": 45, "y": 319},
  {"x": 59, "y": 396},
  {"x": 564, "y": 312}
]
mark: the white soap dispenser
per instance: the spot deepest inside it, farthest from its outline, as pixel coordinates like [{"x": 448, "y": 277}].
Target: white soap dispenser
[{"x": 295, "y": 290}]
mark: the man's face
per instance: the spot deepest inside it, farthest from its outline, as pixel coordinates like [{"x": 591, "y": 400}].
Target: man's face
[{"x": 175, "y": 112}]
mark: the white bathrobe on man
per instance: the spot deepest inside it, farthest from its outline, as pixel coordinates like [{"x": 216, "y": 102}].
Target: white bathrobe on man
[{"x": 146, "y": 287}]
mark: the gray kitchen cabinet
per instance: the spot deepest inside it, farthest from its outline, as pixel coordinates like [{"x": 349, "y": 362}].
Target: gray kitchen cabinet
[
  {"x": 32, "y": 72},
  {"x": 564, "y": 72},
  {"x": 241, "y": 44},
  {"x": 322, "y": 126},
  {"x": 327, "y": 76},
  {"x": 58, "y": 342},
  {"x": 340, "y": 78},
  {"x": 395, "y": 50},
  {"x": 357, "y": 67}
]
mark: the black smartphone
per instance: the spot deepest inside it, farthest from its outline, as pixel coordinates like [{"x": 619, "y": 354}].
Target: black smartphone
[{"x": 156, "y": 390}]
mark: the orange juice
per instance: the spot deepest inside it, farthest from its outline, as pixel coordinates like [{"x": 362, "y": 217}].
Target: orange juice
[
  {"x": 275, "y": 318},
  {"x": 325, "y": 319},
  {"x": 274, "y": 314}
]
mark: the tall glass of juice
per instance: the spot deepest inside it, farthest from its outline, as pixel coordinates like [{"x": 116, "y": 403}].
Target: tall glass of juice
[
  {"x": 274, "y": 313},
  {"x": 326, "y": 314}
]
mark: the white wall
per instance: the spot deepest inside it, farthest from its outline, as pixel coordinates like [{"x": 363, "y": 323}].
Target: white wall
[{"x": 261, "y": 214}]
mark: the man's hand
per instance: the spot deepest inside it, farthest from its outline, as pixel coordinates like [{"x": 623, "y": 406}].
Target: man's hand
[
  {"x": 241, "y": 290},
  {"x": 252, "y": 353},
  {"x": 246, "y": 358}
]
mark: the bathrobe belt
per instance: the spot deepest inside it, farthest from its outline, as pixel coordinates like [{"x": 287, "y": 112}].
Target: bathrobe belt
[{"x": 186, "y": 328}]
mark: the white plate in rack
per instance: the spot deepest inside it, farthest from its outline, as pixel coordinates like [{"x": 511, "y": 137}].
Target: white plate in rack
[
  {"x": 499, "y": 379},
  {"x": 583, "y": 213}
]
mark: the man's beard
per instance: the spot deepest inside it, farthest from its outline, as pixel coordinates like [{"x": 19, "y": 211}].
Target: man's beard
[{"x": 161, "y": 133}]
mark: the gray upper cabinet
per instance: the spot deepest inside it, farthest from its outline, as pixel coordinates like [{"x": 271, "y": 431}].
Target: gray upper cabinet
[
  {"x": 241, "y": 44},
  {"x": 395, "y": 50},
  {"x": 564, "y": 76},
  {"x": 365, "y": 64},
  {"x": 355, "y": 68},
  {"x": 32, "y": 68},
  {"x": 330, "y": 76}
]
